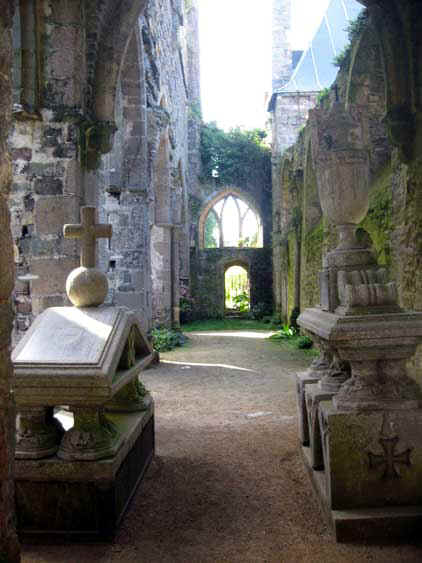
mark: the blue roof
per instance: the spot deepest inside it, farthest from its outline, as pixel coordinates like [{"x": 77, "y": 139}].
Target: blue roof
[{"x": 315, "y": 70}]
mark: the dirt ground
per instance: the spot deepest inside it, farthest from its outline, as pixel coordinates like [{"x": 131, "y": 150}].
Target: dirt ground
[{"x": 227, "y": 483}]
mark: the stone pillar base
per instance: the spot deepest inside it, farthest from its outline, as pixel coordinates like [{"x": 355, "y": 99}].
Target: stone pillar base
[
  {"x": 369, "y": 487},
  {"x": 302, "y": 380},
  {"x": 84, "y": 500}
]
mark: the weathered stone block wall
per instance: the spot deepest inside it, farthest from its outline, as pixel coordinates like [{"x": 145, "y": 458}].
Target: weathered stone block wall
[
  {"x": 393, "y": 222},
  {"x": 57, "y": 145},
  {"x": 301, "y": 235},
  {"x": 44, "y": 140},
  {"x": 207, "y": 278},
  {"x": 289, "y": 117}
]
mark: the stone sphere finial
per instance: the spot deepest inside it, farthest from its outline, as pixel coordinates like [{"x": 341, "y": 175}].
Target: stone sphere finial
[{"x": 86, "y": 286}]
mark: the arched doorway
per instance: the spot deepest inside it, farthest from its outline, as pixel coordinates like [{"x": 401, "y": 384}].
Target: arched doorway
[{"x": 237, "y": 293}]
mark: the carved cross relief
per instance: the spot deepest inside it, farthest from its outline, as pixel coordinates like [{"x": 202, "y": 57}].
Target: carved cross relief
[{"x": 390, "y": 460}]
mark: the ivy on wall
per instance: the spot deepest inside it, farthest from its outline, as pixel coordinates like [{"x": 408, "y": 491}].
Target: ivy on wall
[{"x": 236, "y": 157}]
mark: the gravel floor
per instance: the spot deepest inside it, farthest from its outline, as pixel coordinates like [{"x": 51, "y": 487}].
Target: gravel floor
[{"x": 227, "y": 483}]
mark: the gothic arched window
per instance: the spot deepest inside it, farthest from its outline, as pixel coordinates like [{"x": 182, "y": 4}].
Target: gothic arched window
[{"x": 231, "y": 222}]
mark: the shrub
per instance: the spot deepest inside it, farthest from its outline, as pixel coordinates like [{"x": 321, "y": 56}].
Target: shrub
[
  {"x": 164, "y": 339},
  {"x": 284, "y": 333},
  {"x": 304, "y": 342},
  {"x": 241, "y": 302}
]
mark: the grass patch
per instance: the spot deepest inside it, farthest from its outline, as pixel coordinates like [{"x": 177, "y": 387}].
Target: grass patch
[
  {"x": 226, "y": 324},
  {"x": 293, "y": 345}
]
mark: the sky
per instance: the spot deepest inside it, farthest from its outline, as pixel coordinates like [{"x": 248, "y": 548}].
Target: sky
[{"x": 235, "y": 43}]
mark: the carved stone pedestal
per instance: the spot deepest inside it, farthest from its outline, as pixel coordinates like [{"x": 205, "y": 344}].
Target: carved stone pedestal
[
  {"x": 77, "y": 484},
  {"x": 369, "y": 487},
  {"x": 84, "y": 500},
  {"x": 313, "y": 397}
]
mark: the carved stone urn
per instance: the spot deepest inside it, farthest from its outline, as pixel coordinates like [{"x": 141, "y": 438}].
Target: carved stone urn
[
  {"x": 359, "y": 317},
  {"x": 342, "y": 159}
]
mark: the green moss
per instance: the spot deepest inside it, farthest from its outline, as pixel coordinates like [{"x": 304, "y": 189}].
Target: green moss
[
  {"x": 379, "y": 220},
  {"x": 312, "y": 245},
  {"x": 96, "y": 139},
  {"x": 291, "y": 277}
]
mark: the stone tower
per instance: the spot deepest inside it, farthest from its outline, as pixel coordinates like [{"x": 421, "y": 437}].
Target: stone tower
[{"x": 281, "y": 51}]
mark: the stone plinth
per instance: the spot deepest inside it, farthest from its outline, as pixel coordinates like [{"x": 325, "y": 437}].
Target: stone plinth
[
  {"x": 370, "y": 485},
  {"x": 313, "y": 397},
  {"x": 377, "y": 347},
  {"x": 302, "y": 380},
  {"x": 79, "y": 500}
]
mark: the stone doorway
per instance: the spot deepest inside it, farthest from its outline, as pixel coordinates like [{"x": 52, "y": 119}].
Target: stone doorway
[{"x": 237, "y": 293}]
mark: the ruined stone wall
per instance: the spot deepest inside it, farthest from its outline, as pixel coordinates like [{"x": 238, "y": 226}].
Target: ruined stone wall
[
  {"x": 289, "y": 117},
  {"x": 208, "y": 267},
  {"x": 393, "y": 222},
  {"x": 207, "y": 264},
  {"x": 47, "y": 189},
  {"x": 301, "y": 235},
  {"x": 9, "y": 547},
  {"x": 57, "y": 146}
]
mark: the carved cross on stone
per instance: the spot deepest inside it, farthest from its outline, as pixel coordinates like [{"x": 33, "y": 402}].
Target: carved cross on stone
[
  {"x": 88, "y": 231},
  {"x": 390, "y": 459}
]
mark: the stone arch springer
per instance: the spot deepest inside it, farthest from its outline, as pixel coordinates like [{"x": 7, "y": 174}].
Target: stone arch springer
[{"x": 217, "y": 196}]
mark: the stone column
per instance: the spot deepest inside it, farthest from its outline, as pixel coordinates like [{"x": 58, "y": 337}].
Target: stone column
[{"x": 9, "y": 547}]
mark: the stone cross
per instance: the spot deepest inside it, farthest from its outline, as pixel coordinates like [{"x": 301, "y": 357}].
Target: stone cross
[
  {"x": 88, "y": 231},
  {"x": 390, "y": 458}
]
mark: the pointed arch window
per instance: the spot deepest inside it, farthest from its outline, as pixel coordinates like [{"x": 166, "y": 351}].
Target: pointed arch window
[{"x": 232, "y": 222}]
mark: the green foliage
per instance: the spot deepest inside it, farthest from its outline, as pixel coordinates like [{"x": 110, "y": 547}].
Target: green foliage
[
  {"x": 241, "y": 302},
  {"x": 194, "y": 111},
  {"x": 304, "y": 343},
  {"x": 354, "y": 31},
  {"x": 291, "y": 335},
  {"x": 234, "y": 158},
  {"x": 342, "y": 60},
  {"x": 323, "y": 95},
  {"x": 379, "y": 220},
  {"x": 164, "y": 339},
  {"x": 225, "y": 324},
  {"x": 286, "y": 332}
]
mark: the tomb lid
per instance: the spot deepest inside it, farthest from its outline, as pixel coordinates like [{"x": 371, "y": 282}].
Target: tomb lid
[{"x": 73, "y": 355}]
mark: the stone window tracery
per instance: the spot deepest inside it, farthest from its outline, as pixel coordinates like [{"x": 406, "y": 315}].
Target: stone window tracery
[{"x": 231, "y": 222}]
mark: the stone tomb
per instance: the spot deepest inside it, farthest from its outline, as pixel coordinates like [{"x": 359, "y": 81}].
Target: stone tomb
[{"x": 76, "y": 483}]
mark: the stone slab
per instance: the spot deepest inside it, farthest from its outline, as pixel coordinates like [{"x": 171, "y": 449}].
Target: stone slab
[
  {"x": 371, "y": 331},
  {"x": 58, "y": 500},
  {"x": 71, "y": 356},
  {"x": 372, "y": 460},
  {"x": 380, "y": 525},
  {"x": 68, "y": 335}
]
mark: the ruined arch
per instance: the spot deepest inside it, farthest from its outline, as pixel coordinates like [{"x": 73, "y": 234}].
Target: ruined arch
[
  {"x": 119, "y": 21},
  {"x": 215, "y": 198}
]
